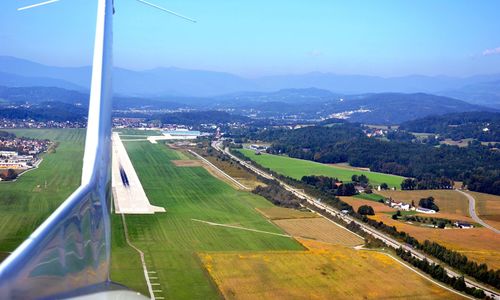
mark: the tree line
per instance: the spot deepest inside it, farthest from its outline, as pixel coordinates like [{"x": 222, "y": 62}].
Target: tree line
[
  {"x": 432, "y": 167},
  {"x": 427, "y": 183},
  {"x": 439, "y": 273}
]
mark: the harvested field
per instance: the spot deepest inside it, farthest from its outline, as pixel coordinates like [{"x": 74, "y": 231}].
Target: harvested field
[
  {"x": 479, "y": 244},
  {"x": 187, "y": 163},
  {"x": 356, "y": 202},
  {"x": 488, "y": 207},
  {"x": 279, "y": 213},
  {"x": 450, "y": 202},
  {"x": 323, "y": 272},
  {"x": 320, "y": 229}
]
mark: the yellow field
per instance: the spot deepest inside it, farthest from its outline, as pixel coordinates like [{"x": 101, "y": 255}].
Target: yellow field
[
  {"x": 357, "y": 202},
  {"x": 278, "y": 213},
  {"x": 449, "y": 201},
  {"x": 488, "y": 207},
  {"x": 479, "y": 244},
  {"x": 320, "y": 229},
  {"x": 323, "y": 272}
]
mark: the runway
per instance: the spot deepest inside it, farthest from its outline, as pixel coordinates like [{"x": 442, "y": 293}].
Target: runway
[{"x": 128, "y": 195}]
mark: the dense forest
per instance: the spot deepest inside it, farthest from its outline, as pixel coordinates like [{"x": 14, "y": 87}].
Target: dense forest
[
  {"x": 483, "y": 126},
  {"x": 433, "y": 167},
  {"x": 46, "y": 111}
]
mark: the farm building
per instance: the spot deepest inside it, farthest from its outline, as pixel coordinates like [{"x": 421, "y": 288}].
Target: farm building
[
  {"x": 464, "y": 225},
  {"x": 425, "y": 210},
  {"x": 400, "y": 206}
]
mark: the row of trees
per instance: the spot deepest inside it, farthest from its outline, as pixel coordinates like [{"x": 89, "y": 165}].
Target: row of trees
[
  {"x": 277, "y": 195},
  {"x": 427, "y": 183},
  {"x": 462, "y": 263},
  {"x": 439, "y": 273}
]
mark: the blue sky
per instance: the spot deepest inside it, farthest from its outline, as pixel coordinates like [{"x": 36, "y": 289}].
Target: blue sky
[{"x": 255, "y": 38}]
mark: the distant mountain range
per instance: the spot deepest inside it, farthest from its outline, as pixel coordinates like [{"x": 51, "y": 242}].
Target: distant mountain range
[
  {"x": 483, "y": 89},
  {"x": 372, "y": 108},
  {"x": 299, "y": 104}
]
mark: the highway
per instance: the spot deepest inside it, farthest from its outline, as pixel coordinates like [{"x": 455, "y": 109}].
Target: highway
[
  {"x": 473, "y": 214},
  {"x": 334, "y": 212}
]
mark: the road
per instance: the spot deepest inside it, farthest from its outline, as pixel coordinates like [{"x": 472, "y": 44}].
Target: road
[
  {"x": 473, "y": 214},
  {"x": 375, "y": 233}
]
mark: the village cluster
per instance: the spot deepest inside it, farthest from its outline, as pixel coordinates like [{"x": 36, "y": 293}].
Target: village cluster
[
  {"x": 27, "y": 123},
  {"x": 21, "y": 153}
]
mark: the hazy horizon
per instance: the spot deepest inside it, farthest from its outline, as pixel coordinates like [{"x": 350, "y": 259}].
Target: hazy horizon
[{"x": 259, "y": 76}]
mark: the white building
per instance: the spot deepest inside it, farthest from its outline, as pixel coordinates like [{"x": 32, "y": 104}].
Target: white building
[
  {"x": 8, "y": 153},
  {"x": 181, "y": 134},
  {"x": 400, "y": 206},
  {"x": 425, "y": 210},
  {"x": 464, "y": 225}
]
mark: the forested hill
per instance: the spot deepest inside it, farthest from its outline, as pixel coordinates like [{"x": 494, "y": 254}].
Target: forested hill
[
  {"x": 35, "y": 95},
  {"x": 46, "y": 111},
  {"x": 396, "y": 108},
  {"x": 483, "y": 126},
  {"x": 476, "y": 165}
]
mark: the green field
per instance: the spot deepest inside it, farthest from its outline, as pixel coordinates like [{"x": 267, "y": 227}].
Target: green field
[
  {"x": 297, "y": 168},
  {"x": 27, "y": 202},
  {"x": 172, "y": 240},
  {"x": 127, "y": 132},
  {"x": 372, "y": 197}
]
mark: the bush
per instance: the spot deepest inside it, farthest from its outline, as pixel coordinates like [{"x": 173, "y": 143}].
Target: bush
[
  {"x": 8, "y": 175},
  {"x": 428, "y": 203},
  {"x": 366, "y": 210}
]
